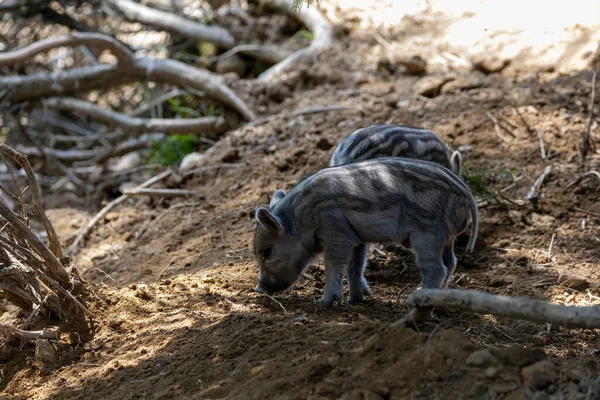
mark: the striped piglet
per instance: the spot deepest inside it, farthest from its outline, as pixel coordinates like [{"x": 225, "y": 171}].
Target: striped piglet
[
  {"x": 395, "y": 141},
  {"x": 339, "y": 210}
]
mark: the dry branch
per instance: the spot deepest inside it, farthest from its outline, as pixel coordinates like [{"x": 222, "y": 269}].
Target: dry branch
[
  {"x": 507, "y": 306},
  {"x": 159, "y": 192},
  {"x": 586, "y": 142},
  {"x": 268, "y": 53},
  {"x": 11, "y": 331},
  {"x": 582, "y": 177},
  {"x": 137, "y": 125},
  {"x": 82, "y": 235},
  {"x": 24, "y": 87},
  {"x": 532, "y": 196},
  {"x": 34, "y": 188},
  {"x": 315, "y": 22},
  {"x": 122, "y": 52},
  {"x": 173, "y": 23}
]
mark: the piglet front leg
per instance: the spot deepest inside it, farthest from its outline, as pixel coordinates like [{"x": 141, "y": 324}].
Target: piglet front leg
[{"x": 336, "y": 259}]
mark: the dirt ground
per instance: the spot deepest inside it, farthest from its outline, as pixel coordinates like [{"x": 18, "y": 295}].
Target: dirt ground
[{"x": 177, "y": 317}]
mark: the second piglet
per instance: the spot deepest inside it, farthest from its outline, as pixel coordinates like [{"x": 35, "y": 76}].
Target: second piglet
[
  {"x": 340, "y": 210},
  {"x": 395, "y": 141}
]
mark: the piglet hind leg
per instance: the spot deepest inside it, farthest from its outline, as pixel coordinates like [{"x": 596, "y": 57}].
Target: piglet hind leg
[
  {"x": 428, "y": 250},
  {"x": 336, "y": 259},
  {"x": 356, "y": 274},
  {"x": 449, "y": 261}
]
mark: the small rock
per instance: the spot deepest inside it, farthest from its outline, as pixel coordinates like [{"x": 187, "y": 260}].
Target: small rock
[
  {"x": 521, "y": 357},
  {"x": 192, "y": 161},
  {"x": 540, "y": 339},
  {"x": 128, "y": 161},
  {"x": 516, "y": 217},
  {"x": 302, "y": 319},
  {"x": 574, "y": 282},
  {"x": 324, "y": 144},
  {"x": 542, "y": 220},
  {"x": 539, "y": 375},
  {"x": 231, "y": 155},
  {"x": 414, "y": 65},
  {"x": 481, "y": 358},
  {"x": 208, "y": 279},
  {"x": 44, "y": 351},
  {"x": 490, "y": 65},
  {"x": 233, "y": 64},
  {"x": 490, "y": 372},
  {"x": 430, "y": 86}
]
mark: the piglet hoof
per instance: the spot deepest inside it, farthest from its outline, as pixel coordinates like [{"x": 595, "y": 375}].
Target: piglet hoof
[
  {"x": 358, "y": 297},
  {"x": 328, "y": 299}
]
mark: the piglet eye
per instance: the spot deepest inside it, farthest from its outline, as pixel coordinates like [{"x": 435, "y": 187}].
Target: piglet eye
[{"x": 266, "y": 252}]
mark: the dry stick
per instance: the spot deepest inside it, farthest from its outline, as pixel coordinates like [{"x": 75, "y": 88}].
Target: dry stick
[
  {"x": 532, "y": 196},
  {"x": 161, "y": 215},
  {"x": 211, "y": 168},
  {"x": 145, "y": 107},
  {"x": 81, "y": 236},
  {"x": 582, "y": 177},
  {"x": 159, "y": 192},
  {"x": 586, "y": 142},
  {"x": 315, "y": 22},
  {"x": 524, "y": 121},
  {"x": 120, "y": 50},
  {"x": 581, "y": 210},
  {"x": 24, "y": 87},
  {"x": 312, "y": 110},
  {"x": 542, "y": 145},
  {"x": 173, "y": 23},
  {"x": 167, "y": 126},
  {"x": 497, "y": 126},
  {"x": 507, "y": 306},
  {"x": 11, "y": 331},
  {"x": 36, "y": 198},
  {"x": 272, "y": 298}
]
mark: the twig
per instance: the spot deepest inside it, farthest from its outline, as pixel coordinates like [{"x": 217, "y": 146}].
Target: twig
[
  {"x": 550, "y": 248},
  {"x": 532, "y": 196},
  {"x": 312, "y": 110},
  {"x": 137, "y": 125},
  {"x": 497, "y": 126},
  {"x": 587, "y": 212},
  {"x": 542, "y": 145},
  {"x": 582, "y": 177},
  {"x": 163, "y": 270},
  {"x": 159, "y": 192},
  {"x": 507, "y": 306},
  {"x": 82, "y": 235},
  {"x": 272, "y": 298},
  {"x": 11, "y": 331},
  {"x": 268, "y": 53},
  {"x": 36, "y": 198},
  {"x": 522, "y": 117},
  {"x": 162, "y": 215},
  {"x": 586, "y": 143}
]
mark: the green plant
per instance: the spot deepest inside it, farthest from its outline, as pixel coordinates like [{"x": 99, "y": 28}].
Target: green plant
[
  {"x": 183, "y": 111},
  {"x": 171, "y": 150}
]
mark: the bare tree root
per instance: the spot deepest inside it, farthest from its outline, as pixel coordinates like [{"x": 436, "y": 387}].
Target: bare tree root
[
  {"x": 137, "y": 125},
  {"x": 122, "y": 52},
  {"x": 507, "y": 306},
  {"x": 173, "y": 23},
  {"x": 583, "y": 176},
  {"x": 315, "y": 22},
  {"x": 82, "y": 235},
  {"x": 25, "y": 87},
  {"x": 270, "y": 54},
  {"x": 11, "y": 331}
]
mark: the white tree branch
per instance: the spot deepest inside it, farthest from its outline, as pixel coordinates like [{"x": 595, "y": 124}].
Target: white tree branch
[
  {"x": 173, "y": 23},
  {"x": 315, "y": 22},
  {"x": 507, "y": 306},
  {"x": 122, "y": 52}
]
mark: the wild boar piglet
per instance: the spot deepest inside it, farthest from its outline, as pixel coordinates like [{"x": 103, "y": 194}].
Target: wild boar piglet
[
  {"x": 339, "y": 210},
  {"x": 395, "y": 141}
]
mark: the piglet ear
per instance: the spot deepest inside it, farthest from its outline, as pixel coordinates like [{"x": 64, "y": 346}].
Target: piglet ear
[
  {"x": 279, "y": 194},
  {"x": 456, "y": 163},
  {"x": 269, "y": 221}
]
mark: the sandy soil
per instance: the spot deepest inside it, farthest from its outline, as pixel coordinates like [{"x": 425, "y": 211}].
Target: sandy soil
[{"x": 173, "y": 279}]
